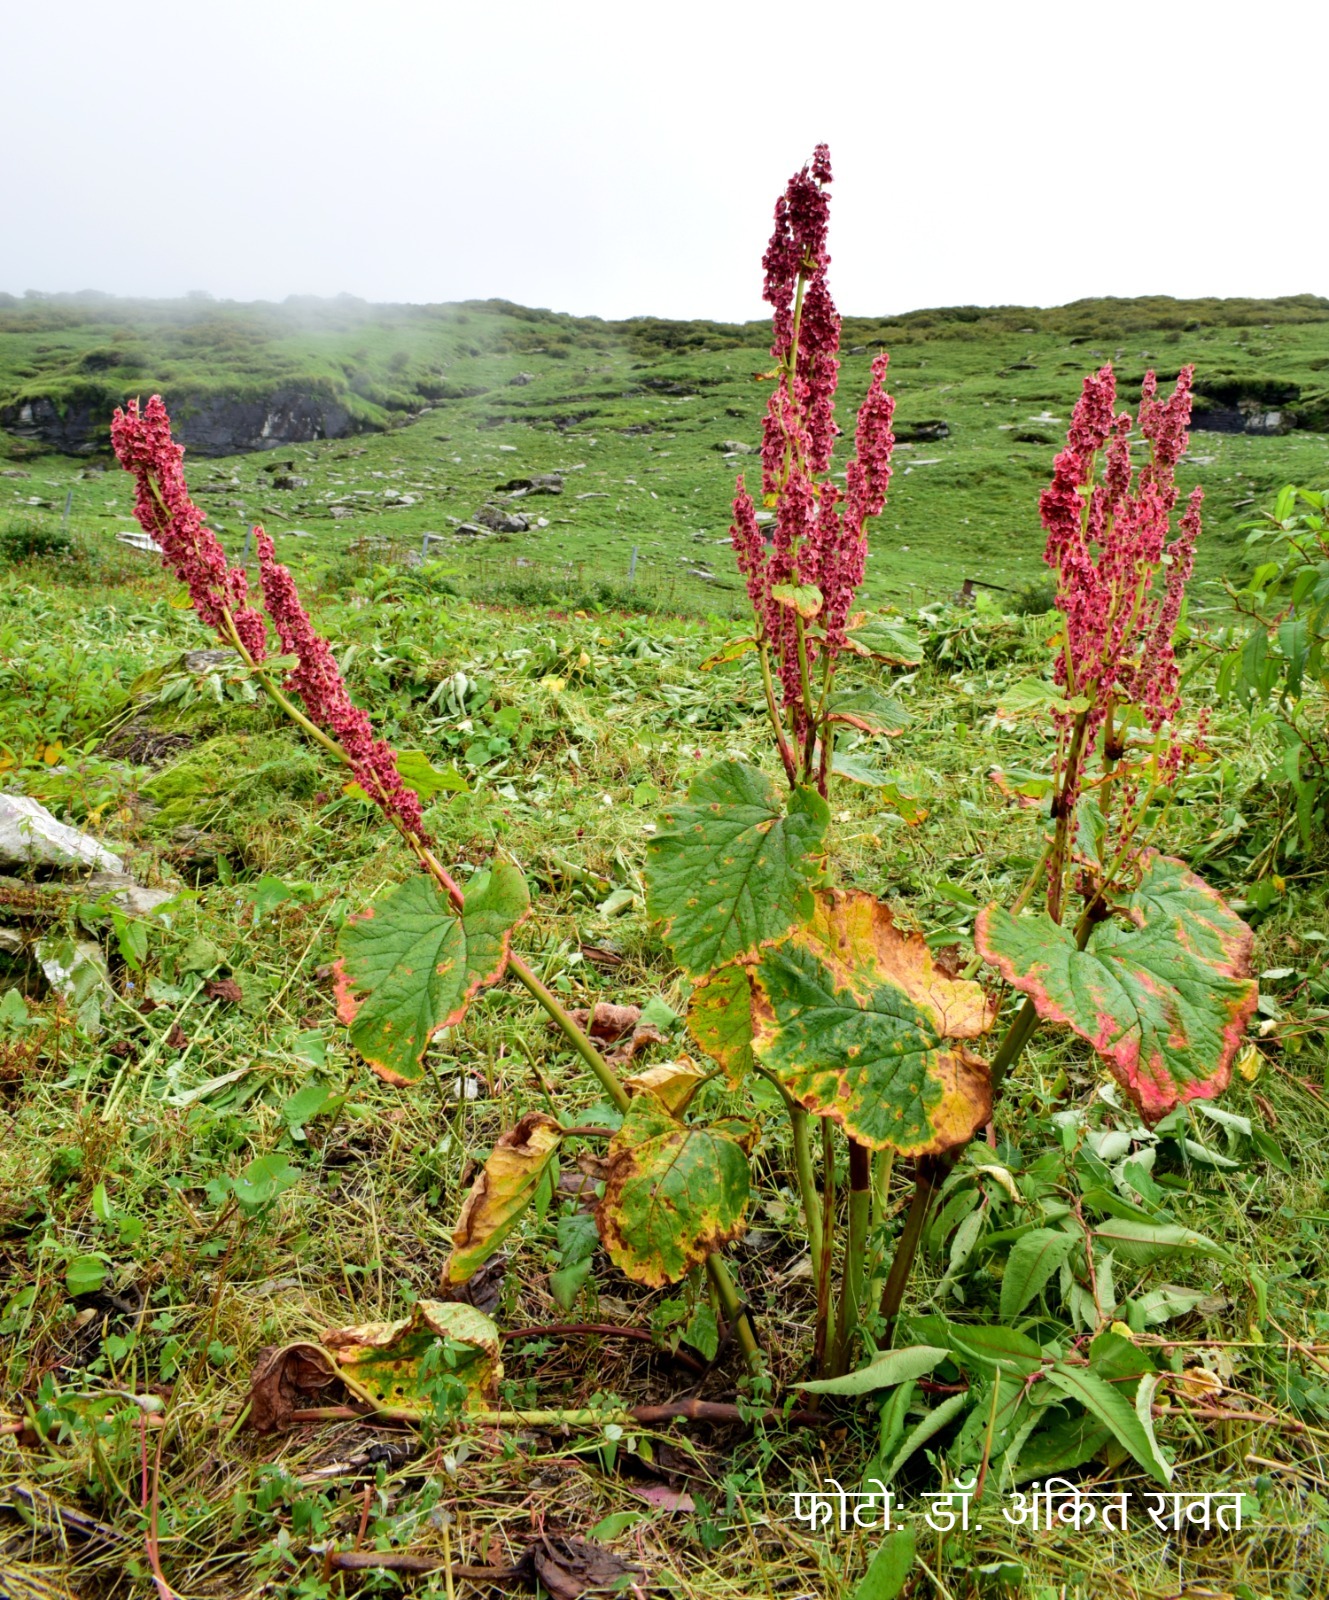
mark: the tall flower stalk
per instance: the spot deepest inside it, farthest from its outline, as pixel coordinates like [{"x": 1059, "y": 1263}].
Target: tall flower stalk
[{"x": 803, "y": 578}]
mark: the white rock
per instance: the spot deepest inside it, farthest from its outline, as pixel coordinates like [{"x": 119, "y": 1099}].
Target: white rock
[{"x": 29, "y": 833}]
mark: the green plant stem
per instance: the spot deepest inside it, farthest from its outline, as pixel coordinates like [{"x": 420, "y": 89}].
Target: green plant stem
[
  {"x": 768, "y": 686},
  {"x": 575, "y": 1036},
  {"x": 928, "y": 1174},
  {"x": 805, "y": 683},
  {"x": 733, "y": 1309},
  {"x": 883, "y": 1165},
  {"x": 1064, "y": 816},
  {"x": 855, "y": 1252},
  {"x": 807, "y": 1184}
]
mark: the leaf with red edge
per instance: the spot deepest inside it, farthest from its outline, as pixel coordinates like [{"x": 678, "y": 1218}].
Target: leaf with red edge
[
  {"x": 409, "y": 966},
  {"x": 858, "y": 1024},
  {"x": 1164, "y": 997}
]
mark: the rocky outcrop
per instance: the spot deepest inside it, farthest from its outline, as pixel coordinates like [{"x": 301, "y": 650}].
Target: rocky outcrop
[{"x": 210, "y": 425}]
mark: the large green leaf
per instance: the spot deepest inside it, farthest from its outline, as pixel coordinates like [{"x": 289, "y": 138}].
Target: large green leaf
[
  {"x": 409, "y": 966},
  {"x": 720, "y": 1020},
  {"x": 501, "y": 1192},
  {"x": 729, "y": 871},
  {"x": 884, "y": 1371},
  {"x": 673, "y": 1193},
  {"x": 887, "y": 639},
  {"x": 1164, "y": 996},
  {"x": 868, "y": 709},
  {"x": 856, "y": 1021}
]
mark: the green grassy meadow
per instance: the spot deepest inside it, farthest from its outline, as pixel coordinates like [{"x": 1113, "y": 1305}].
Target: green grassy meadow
[
  {"x": 637, "y": 415},
  {"x": 144, "y": 1265}
]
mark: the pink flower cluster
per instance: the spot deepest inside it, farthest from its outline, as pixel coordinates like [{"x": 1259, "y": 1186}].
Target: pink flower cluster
[
  {"x": 162, "y": 505},
  {"x": 143, "y": 446},
  {"x": 819, "y": 536},
  {"x": 1120, "y": 577},
  {"x": 321, "y": 686}
]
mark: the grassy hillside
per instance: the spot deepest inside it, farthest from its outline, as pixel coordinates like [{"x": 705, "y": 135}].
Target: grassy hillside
[{"x": 638, "y": 416}]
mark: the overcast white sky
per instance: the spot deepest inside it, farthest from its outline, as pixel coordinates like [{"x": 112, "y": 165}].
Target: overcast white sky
[{"x": 612, "y": 157}]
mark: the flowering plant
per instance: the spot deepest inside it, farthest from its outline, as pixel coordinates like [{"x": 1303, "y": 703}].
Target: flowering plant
[{"x": 808, "y": 986}]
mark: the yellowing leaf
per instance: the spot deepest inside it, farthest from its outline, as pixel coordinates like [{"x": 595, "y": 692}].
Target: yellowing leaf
[
  {"x": 501, "y": 1192},
  {"x": 380, "y": 1361},
  {"x": 857, "y": 1023},
  {"x": 720, "y": 1020},
  {"x": 1164, "y": 995},
  {"x": 805, "y": 598},
  {"x": 1249, "y": 1063},
  {"x": 673, "y": 1083},
  {"x": 673, "y": 1193}
]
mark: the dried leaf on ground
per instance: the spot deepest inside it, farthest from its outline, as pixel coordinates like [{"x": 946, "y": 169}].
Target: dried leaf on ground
[
  {"x": 289, "y": 1378},
  {"x": 224, "y": 989},
  {"x": 569, "y": 1568}
]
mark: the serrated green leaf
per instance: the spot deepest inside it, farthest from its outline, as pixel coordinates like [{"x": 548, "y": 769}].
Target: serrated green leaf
[
  {"x": 566, "y": 1284},
  {"x": 931, "y": 1424},
  {"x": 1143, "y": 1242},
  {"x": 1033, "y": 1259},
  {"x": 1134, "y": 1433},
  {"x": 884, "y": 1371},
  {"x": 857, "y": 1023},
  {"x": 1032, "y": 697},
  {"x": 868, "y": 710},
  {"x": 729, "y": 871},
  {"x": 504, "y": 1188},
  {"x": 673, "y": 1193},
  {"x": 805, "y": 598},
  {"x": 720, "y": 1020},
  {"x": 409, "y": 967},
  {"x": 1164, "y": 997},
  {"x": 887, "y": 639}
]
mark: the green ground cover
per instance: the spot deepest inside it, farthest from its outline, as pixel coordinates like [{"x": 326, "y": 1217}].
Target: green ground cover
[{"x": 146, "y": 1253}]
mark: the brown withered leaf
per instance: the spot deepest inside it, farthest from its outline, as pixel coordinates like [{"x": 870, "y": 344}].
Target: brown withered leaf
[
  {"x": 610, "y": 1022},
  {"x": 176, "y": 1038},
  {"x": 483, "y": 1289},
  {"x": 570, "y": 1568},
  {"x": 224, "y": 989},
  {"x": 601, "y": 956},
  {"x": 288, "y": 1378}
]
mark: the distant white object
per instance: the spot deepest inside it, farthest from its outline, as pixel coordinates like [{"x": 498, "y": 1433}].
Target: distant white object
[
  {"x": 29, "y": 833},
  {"x": 140, "y": 541}
]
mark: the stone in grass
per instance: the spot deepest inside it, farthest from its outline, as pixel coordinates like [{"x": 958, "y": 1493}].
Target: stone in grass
[
  {"x": 499, "y": 520},
  {"x": 31, "y": 836}
]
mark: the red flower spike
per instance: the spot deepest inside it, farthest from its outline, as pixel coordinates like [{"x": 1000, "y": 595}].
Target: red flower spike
[{"x": 144, "y": 447}]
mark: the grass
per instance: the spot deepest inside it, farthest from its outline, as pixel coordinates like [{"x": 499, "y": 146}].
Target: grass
[
  {"x": 573, "y": 729},
  {"x": 574, "y": 702},
  {"x": 636, "y": 415}
]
